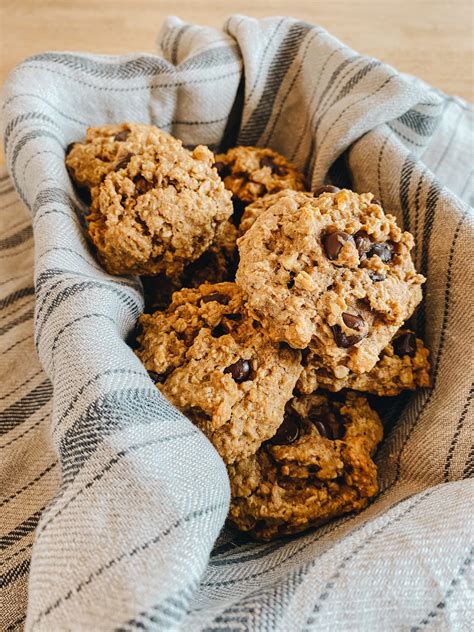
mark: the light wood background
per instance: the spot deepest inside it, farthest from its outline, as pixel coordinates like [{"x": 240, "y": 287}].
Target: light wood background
[{"x": 433, "y": 39}]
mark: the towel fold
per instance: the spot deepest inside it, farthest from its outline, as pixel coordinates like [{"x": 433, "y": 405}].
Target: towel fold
[{"x": 113, "y": 502}]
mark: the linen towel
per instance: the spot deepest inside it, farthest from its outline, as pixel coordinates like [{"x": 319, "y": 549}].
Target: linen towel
[{"x": 112, "y": 502}]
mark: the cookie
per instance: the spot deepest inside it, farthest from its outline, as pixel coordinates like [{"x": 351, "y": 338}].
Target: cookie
[
  {"x": 160, "y": 210},
  {"x": 217, "y": 365},
  {"x": 253, "y": 210},
  {"x": 252, "y": 172},
  {"x": 316, "y": 467},
  {"x": 403, "y": 365},
  {"x": 218, "y": 263},
  {"x": 105, "y": 147},
  {"x": 333, "y": 273}
]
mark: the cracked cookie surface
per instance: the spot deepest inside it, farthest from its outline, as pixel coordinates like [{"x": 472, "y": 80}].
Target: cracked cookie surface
[
  {"x": 252, "y": 172},
  {"x": 210, "y": 358},
  {"x": 160, "y": 210},
  {"x": 105, "y": 147},
  {"x": 403, "y": 365},
  {"x": 333, "y": 273},
  {"x": 318, "y": 466}
]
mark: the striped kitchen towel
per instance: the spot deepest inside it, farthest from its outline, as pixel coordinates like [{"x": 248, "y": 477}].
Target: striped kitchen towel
[{"x": 112, "y": 502}]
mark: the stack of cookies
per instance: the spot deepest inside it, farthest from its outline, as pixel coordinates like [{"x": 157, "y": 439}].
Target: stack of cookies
[{"x": 271, "y": 312}]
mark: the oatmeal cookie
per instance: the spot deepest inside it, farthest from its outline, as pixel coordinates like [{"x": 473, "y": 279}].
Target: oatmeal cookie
[
  {"x": 216, "y": 265},
  {"x": 317, "y": 466},
  {"x": 403, "y": 365},
  {"x": 104, "y": 149},
  {"x": 333, "y": 273},
  {"x": 252, "y": 172},
  {"x": 218, "y": 366},
  {"x": 162, "y": 209},
  {"x": 255, "y": 209}
]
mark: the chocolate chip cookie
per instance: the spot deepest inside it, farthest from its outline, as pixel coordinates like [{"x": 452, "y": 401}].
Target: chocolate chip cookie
[
  {"x": 317, "y": 466},
  {"x": 332, "y": 272},
  {"x": 105, "y": 147},
  {"x": 253, "y": 210},
  {"x": 218, "y": 366},
  {"x": 158, "y": 210},
  {"x": 403, "y": 365},
  {"x": 252, "y": 172}
]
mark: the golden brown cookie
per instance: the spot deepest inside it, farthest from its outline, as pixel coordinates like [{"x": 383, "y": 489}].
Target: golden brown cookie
[
  {"x": 255, "y": 209},
  {"x": 316, "y": 467},
  {"x": 403, "y": 365},
  {"x": 105, "y": 147},
  {"x": 219, "y": 368},
  {"x": 333, "y": 273},
  {"x": 162, "y": 209},
  {"x": 252, "y": 172}
]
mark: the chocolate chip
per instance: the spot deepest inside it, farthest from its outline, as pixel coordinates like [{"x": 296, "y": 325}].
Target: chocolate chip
[
  {"x": 266, "y": 161},
  {"x": 123, "y": 135},
  {"x": 157, "y": 377},
  {"x": 376, "y": 276},
  {"x": 333, "y": 243},
  {"x": 219, "y": 330},
  {"x": 362, "y": 242},
  {"x": 405, "y": 344},
  {"x": 328, "y": 425},
  {"x": 217, "y": 297},
  {"x": 377, "y": 201},
  {"x": 124, "y": 162},
  {"x": 383, "y": 250},
  {"x": 239, "y": 208},
  {"x": 291, "y": 282},
  {"x": 240, "y": 371},
  {"x": 288, "y": 432},
  {"x": 69, "y": 148},
  {"x": 344, "y": 341},
  {"x": 353, "y": 322},
  {"x": 143, "y": 185},
  {"x": 222, "y": 169},
  {"x": 321, "y": 428},
  {"x": 236, "y": 317},
  {"x": 326, "y": 188}
]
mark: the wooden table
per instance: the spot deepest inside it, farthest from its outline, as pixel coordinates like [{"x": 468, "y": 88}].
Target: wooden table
[{"x": 429, "y": 38}]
